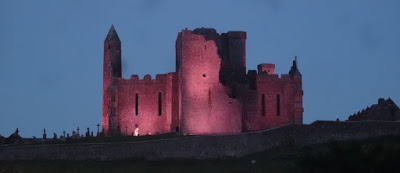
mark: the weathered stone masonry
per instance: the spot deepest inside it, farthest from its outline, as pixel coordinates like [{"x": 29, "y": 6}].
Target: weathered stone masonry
[
  {"x": 209, "y": 93},
  {"x": 205, "y": 146}
]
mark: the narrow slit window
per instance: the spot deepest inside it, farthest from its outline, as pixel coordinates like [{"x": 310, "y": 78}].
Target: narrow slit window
[
  {"x": 278, "y": 105},
  {"x": 159, "y": 104},
  {"x": 136, "y": 104},
  {"x": 263, "y": 105},
  {"x": 113, "y": 98},
  {"x": 112, "y": 111}
]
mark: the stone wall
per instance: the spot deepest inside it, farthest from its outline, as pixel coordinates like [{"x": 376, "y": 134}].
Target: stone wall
[
  {"x": 278, "y": 101},
  {"x": 206, "y": 107},
  {"x": 145, "y": 104},
  {"x": 209, "y": 93},
  {"x": 205, "y": 147}
]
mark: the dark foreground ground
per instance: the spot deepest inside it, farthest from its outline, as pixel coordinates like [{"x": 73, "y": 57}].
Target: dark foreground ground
[{"x": 381, "y": 154}]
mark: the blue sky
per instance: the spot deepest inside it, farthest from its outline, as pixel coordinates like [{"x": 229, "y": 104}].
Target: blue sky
[{"x": 52, "y": 52}]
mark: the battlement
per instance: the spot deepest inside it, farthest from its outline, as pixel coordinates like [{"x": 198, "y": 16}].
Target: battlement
[
  {"x": 267, "y": 71},
  {"x": 274, "y": 76},
  {"x": 147, "y": 78},
  {"x": 266, "y": 68},
  {"x": 210, "y": 79}
]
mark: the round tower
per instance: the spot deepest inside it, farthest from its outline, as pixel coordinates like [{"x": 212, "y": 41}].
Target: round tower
[{"x": 111, "y": 70}]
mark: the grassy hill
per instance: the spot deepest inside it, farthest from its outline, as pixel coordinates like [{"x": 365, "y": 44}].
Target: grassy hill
[{"x": 380, "y": 154}]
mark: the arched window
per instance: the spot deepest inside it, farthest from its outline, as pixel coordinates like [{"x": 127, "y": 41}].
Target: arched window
[
  {"x": 136, "y": 104},
  {"x": 263, "y": 105},
  {"x": 278, "y": 105},
  {"x": 159, "y": 104}
]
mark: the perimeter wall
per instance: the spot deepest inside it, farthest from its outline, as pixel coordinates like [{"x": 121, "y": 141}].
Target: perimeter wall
[{"x": 207, "y": 146}]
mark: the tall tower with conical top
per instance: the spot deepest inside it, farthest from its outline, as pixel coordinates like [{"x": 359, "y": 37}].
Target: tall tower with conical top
[
  {"x": 297, "y": 94},
  {"x": 111, "y": 70}
]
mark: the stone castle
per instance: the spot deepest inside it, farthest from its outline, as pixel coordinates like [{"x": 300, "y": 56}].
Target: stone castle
[{"x": 209, "y": 93}]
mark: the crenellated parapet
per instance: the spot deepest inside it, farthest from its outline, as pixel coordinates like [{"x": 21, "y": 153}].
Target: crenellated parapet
[
  {"x": 160, "y": 78},
  {"x": 209, "y": 93},
  {"x": 144, "y": 104},
  {"x": 278, "y": 98}
]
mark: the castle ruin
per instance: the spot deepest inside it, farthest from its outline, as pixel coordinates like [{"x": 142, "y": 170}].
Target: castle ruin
[{"x": 209, "y": 93}]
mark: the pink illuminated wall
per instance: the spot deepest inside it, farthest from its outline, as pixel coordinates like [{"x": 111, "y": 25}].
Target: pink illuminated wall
[
  {"x": 278, "y": 102},
  {"x": 145, "y": 104},
  {"x": 206, "y": 108},
  {"x": 210, "y": 92},
  {"x": 266, "y": 68}
]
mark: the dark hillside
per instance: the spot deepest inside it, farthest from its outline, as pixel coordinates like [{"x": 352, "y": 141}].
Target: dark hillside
[{"x": 379, "y": 154}]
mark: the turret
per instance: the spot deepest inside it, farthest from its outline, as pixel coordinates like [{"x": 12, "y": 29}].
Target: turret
[
  {"x": 294, "y": 71},
  {"x": 298, "y": 92},
  {"x": 111, "y": 70},
  {"x": 266, "y": 68}
]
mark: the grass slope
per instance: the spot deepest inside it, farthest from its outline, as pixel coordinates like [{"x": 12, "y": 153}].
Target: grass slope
[{"x": 381, "y": 154}]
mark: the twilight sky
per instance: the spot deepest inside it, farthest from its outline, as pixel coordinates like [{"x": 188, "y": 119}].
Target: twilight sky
[{"x": 52, "y": 52}]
